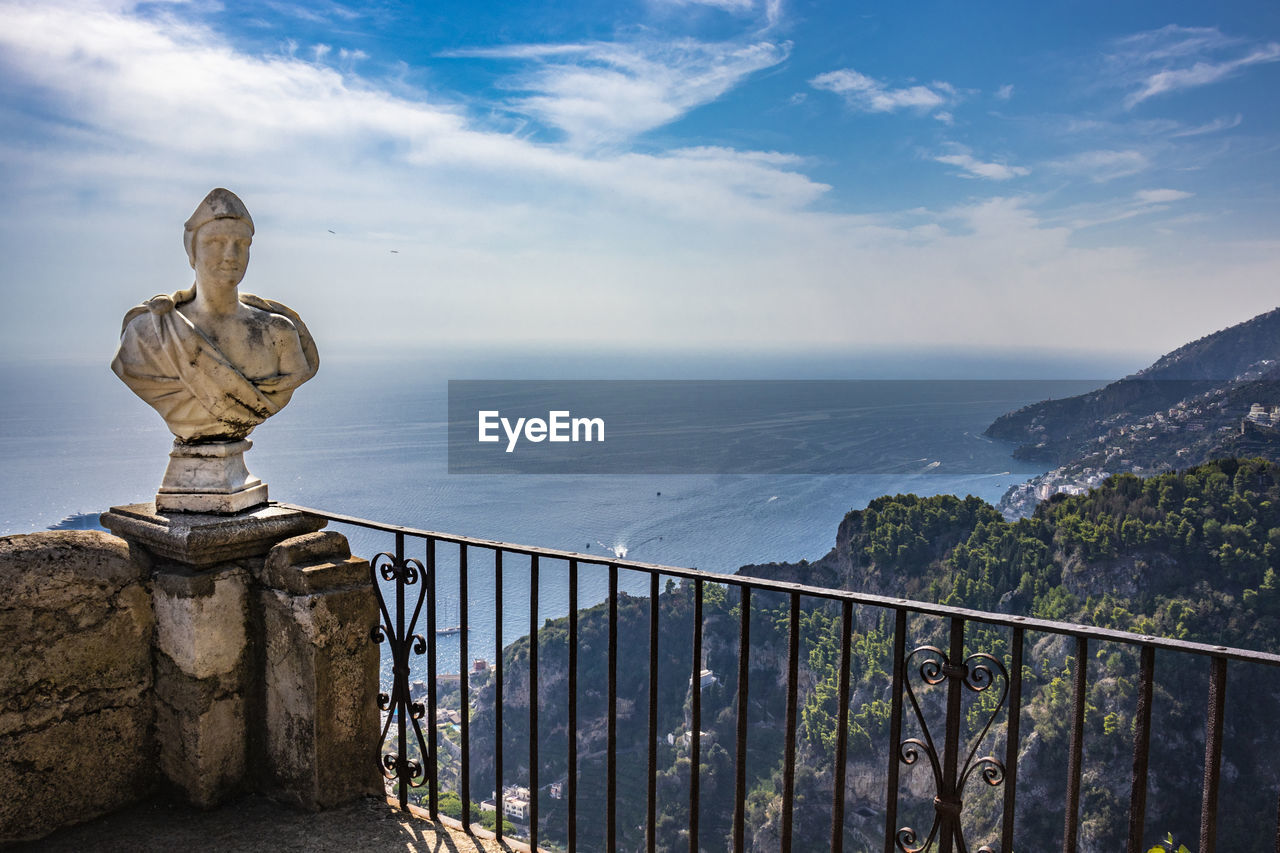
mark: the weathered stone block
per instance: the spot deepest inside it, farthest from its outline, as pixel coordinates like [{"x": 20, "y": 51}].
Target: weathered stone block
[
  {"x": 203, "y": 752},
  {"x": 202, "y": 664},
  {"x": 201, "y": 618},
  {"x": 73, "y": 770},
  {"x": 76, "y": 627},
  {"x": 315, "y": 562},
  {"x": 320, "y": 673}
]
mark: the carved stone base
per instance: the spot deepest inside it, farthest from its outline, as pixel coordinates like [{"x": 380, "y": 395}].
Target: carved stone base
[
  {"x": 209, "y": 478},
  {"x": 200, "y": 540}
]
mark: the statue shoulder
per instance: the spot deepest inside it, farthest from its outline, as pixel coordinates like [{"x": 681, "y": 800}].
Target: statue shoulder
[
  {"x": 160, "y": 304},
  {"x": 286, "y": 313}
]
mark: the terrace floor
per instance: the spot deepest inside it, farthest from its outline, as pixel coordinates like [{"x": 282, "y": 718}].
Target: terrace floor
[{"x": 255, "y": 823}]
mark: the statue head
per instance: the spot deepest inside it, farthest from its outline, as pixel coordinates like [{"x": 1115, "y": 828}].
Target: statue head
[{"x": 218, "y": 205}]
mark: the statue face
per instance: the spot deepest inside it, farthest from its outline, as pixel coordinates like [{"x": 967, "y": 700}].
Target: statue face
[{"x": 222, "y": 252}]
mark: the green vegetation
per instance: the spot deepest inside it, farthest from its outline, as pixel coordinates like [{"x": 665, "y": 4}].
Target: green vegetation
[{"x": 1191, "y": 555}]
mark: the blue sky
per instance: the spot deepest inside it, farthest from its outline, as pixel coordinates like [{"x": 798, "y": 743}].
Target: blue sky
[{"x": 736, "y": 176}]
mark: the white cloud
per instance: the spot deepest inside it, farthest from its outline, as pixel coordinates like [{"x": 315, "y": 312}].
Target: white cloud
[
  {"x": 1218, "y": 124},
  {"x": 975, "y": 168},
  {"x": 736, "y": 6},
  {"x": 772, "y": 12},
  {"x": 1113, "y": 210},
  {"x": 1170, "y": 42},
  {"x": 1160, "y": 196},
  {"x": 871, "y": 95},
  {"x": 604, "y": 93},
  {"x": 1173, "y": 58},
  {"x": 1103, "y": 165},
  {"x": 1005, "y": 92}
]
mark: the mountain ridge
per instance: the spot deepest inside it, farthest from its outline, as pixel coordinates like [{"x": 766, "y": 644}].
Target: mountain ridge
[{"x": 1188, "y": 407}]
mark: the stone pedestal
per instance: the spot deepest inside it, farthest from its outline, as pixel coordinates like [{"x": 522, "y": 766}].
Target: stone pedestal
[
  {"x": 265, "y": 674},
  {"x": 320, "y": 673},
  {"x": 209, "y": 478},
  {"x": 203, "y": 662}
]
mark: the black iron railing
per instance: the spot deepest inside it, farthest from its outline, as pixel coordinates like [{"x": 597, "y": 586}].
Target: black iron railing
[{"x": 955, "y": 763}]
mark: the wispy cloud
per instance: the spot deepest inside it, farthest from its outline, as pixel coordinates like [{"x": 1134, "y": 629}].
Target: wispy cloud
[
  {"x": 604, "y": 93},
  {"x": 871, "y": 95},
  {"x": 1162, "y": 196},
  {"x": 1218, "y": 124},
  {"x": 1141, "y": 203},
  {"x": 1005, "y": 92},
  {"x": 180, "y": 89},
  {"x": 736, "y": 6},
  {"x": 1173, "y": 58},
  {"x": 316, "y": 12},
  {"x": 1103, "y": 165},
  {"x": 975, "y": 168}
]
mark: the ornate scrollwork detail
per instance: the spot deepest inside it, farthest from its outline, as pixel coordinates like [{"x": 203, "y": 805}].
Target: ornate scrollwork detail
[
  {"x": 981, "y": 674},
  {"x": 990, "y": 770},
  {"x": 907, "y": 838},
  {"x": 402, "y": 641},
  {"x": 931, "y": 667},
  {"x": 384, "y": 564},
  {"x": 978, "y": 673}
]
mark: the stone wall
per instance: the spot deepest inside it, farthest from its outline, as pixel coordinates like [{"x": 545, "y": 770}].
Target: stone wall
[
  {"x": 76, "y": 630},
  {"x": 144, "y": 662}
]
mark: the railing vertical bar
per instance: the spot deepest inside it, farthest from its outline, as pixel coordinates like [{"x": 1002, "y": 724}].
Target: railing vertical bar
[
  {"x": 842, "y": 729},
  {"x": 895, "y": 727},
  {"x": 1012, "y": 741},
  {"x": 611, "y": 807},
  {"x": 950, "y": 818},
  {"x": 695, "y": 718},
  {"x": 497, "y": 691},
  {"x": 533, "y": 702},
  {"x": 740, "y": 753},
  {"x": 1141, "y": 748},
  {"x": 433, "y": 771},
  {"x": 789, "y": 759},
  {"x": 651, "y": 816},
  {"x": 571, "y": 763},
  {"x": 400, "y": 674},
  {"x": 1071, "y": 828},
  {"x": 464, "y": 697},
  {"x": 1212, "y": 754}
]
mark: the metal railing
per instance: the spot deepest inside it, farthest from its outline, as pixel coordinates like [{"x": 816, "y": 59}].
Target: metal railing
[{"x": 952, "y": 767}]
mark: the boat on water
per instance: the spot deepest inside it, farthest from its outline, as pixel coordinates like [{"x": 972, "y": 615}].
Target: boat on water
[{"x": 449, "y": 616}]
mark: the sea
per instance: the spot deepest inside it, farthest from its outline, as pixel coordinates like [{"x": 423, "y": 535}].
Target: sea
[{"x": 368, "y": 437}]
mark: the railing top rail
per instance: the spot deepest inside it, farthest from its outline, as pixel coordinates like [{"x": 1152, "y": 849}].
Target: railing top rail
[{"x": 889, "y": 602}]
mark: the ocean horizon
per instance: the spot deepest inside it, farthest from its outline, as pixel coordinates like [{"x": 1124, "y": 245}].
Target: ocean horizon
[{"x": 369, "y": 439}]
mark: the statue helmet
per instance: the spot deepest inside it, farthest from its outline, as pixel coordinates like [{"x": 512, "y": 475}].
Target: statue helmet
[{"x": 218, "y": 204}]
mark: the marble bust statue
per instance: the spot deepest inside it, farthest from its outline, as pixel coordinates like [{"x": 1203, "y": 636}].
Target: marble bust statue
[{"x": 214, "y": 362}]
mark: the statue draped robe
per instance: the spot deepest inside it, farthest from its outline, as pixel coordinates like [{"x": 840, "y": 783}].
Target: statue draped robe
[{"x": 180, "y": 373}]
